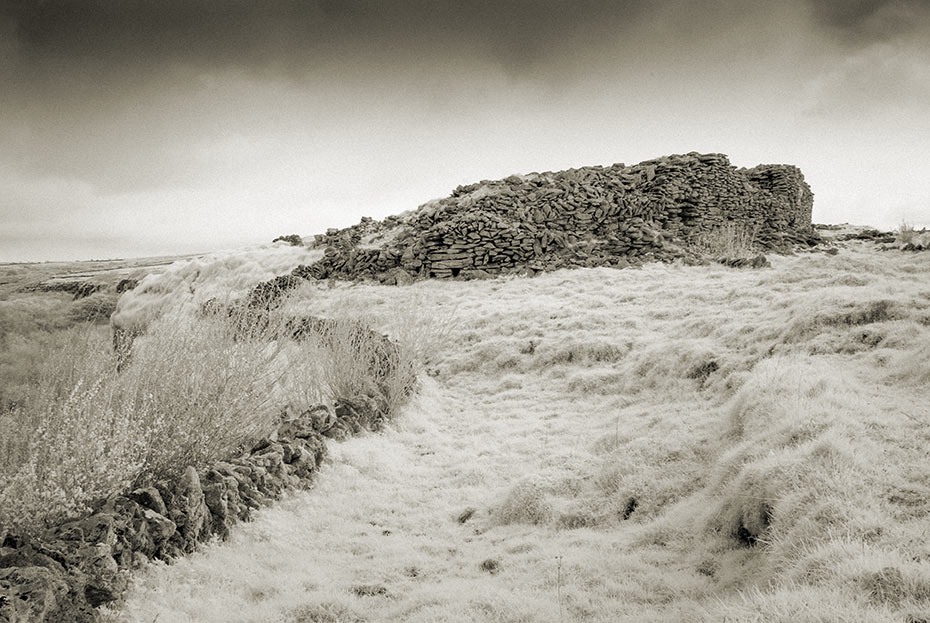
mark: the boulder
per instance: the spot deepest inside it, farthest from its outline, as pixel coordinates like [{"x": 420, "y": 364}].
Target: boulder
[
  {"x": 188, "y": 511},
  {"x": 35, "y": 594}
]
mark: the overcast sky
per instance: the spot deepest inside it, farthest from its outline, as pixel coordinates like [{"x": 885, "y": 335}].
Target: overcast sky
[{"x": 141, "y": 127}]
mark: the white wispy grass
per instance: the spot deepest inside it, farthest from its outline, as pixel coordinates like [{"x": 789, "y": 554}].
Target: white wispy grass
[
  {"x": 184, "y": 285},
  {"x": 663, "y": 444}
]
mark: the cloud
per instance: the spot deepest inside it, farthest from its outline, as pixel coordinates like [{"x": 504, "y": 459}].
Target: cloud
[
  {"x": 293, "y": 34},
  {"x": 886, "y": 81},
  {"x": 859, "y": 23},
  {"x": 140, "y": 40}
]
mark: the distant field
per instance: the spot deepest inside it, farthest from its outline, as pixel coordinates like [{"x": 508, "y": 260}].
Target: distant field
[{"x": 657, "y": 444}]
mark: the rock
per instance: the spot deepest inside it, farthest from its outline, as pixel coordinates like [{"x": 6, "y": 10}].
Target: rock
[
  {"x": 149, "y": 497},
  {"x": 188, "y": 511},
  {"x": 160, "y": 529},
  {"x": 104, "y": 582},
  {"x": 216, "y": 492},
  {"x": 396, "y": 277},
  {"x": 308, "y": 423},
  {"x": 292, "y": 239},
  {"x": 126, "y": 285},
  {"x": 490, "y": 565},
  {"x": 33, "y": 594},
  {"x": 476, "y": 273}
]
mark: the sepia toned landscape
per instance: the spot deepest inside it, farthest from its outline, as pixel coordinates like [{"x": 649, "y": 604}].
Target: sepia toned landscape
[
  {"x": 695, "y": 439},
  {"x": 607, "y": 311}
]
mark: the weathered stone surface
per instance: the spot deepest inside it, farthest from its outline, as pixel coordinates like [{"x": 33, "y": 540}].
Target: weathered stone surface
[
  {"x": 317, "y": 419},
  {"x": 33, "y": 594},
  {"x": 149, "y": 497},
  {"x": 592, "y": 216},
  {"x": 397, "y": 276},
  {"x": 104, "y": 582},
  {"x": 186, "y": 508}
]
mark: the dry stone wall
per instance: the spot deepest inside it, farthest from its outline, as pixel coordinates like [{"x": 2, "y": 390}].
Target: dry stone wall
[
  {"x": 80, "y": 564},
  {"x": 591, "y": 216},
  {"x": 66, "y": 573}
]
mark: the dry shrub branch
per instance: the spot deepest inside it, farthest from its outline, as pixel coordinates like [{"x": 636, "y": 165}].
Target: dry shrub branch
[{"x": 199, "y": 388}]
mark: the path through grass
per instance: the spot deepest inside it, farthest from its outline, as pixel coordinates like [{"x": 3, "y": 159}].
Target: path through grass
[{"x": 666, "y": 444}]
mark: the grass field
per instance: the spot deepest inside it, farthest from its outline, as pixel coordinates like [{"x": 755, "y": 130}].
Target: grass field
[{"x": 668, "y": 443}]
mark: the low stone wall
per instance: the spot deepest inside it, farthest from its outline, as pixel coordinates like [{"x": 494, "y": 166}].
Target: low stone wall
[
  {"x": 84, "y": 563},
  {"x": 592, "y": 216}
]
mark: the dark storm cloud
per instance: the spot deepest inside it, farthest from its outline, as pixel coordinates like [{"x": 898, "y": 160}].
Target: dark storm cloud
[
  {"x": 293, "y": 34},
  {"x": 862, "y": 22}
]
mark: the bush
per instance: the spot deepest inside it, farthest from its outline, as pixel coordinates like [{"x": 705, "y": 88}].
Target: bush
[
  {"x": 69, "y": 439},
  {"x": 199, "y": 388},
  {"x": 526, "y": 502},
  {"x": 358, "y": 361},
  {"x": 199, "y": 391},
  {"x": 94, "y": 308},
  {"x": 909, "y": 238},
  {"x": 905, "y": 234}
]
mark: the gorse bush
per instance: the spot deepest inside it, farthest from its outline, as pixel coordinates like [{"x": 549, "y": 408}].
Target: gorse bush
[{"x": 199, "y": 388}]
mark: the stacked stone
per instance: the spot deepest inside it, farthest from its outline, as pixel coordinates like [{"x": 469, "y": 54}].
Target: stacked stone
[
  {"x": 581, "y": 217},
  {"x": 65, "y": 574}
]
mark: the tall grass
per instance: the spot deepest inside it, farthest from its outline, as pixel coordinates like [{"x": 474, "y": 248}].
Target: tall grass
[
  {"x": 416, "y": 334},
  {"x": 698, "y": 444},
  {"x": 199, "y": 388},
  {"x": 729, "y": 240},
  {"x": 907, "y": 236}
]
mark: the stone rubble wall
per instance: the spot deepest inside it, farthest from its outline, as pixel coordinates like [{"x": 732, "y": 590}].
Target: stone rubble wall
[
  {"x": 64, "y": 574},
  {"x": 71, "y": 569},
  {"x": 592, "y": 216}
]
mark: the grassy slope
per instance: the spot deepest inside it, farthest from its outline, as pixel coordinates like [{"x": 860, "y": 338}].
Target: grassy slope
[{"x": 770, "y": 425}]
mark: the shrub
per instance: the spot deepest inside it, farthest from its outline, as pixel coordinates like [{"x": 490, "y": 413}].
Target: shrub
[
  {"x": 94, "y": 308},
  {"x": 70, "y": 439},
  {"x": 199, "y": 388},
  {"x": 354, "y": 355},
  {"x": 199, "y": 391},
  {"x": 192, "y": 395},
  {"x": 907, "y": 237},
  {"x": 905, "y": 234}
]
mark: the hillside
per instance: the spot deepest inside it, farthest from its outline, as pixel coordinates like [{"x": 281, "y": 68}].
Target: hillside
[{"x": 670, "y": 443}]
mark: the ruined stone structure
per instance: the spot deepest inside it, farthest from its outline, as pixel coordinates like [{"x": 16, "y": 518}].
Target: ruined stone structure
[{"x": 592, "y": 216}]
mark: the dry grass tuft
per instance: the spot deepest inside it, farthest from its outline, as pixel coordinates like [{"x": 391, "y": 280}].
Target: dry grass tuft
[
  {"x": 527, "y": 502},
  {"x": 322, "y": 613},
  {"x": 730, "y": 240}
]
